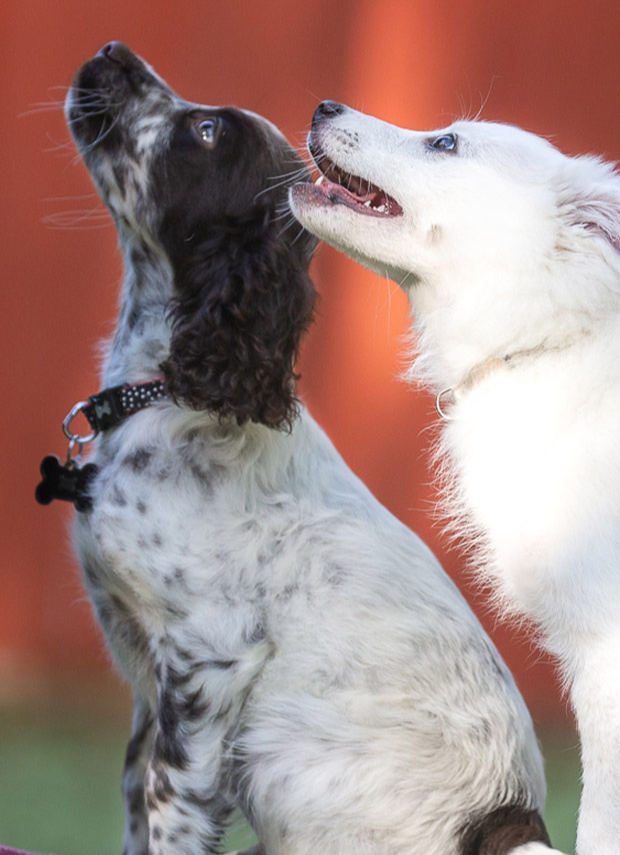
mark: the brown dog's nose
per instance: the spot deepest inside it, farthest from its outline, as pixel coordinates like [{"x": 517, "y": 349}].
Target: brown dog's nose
[
  {"x": 327, "y": 110},
  {"x": 117, "y": 53}
]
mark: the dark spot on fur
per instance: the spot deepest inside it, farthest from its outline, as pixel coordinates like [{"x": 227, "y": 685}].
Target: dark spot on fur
[
  {"x": 218, "y": 810},
  {"x": 120, "y": 174},
  {"x": 222, "y": 712},
  {"x": 119, "y": 604},
  {"x": 185, "y": 655},
  {"x": 169, "y": 746},
  {"x": 333, "y": 576},
  {"x": 118, "y": 618},
  {"x": 141, "y": 506},
  {"x": 199, "y": 473},
  {"x": 92, "y": 571},
  {"x": 222, "y": 664},
  {"x": 104, "y": 613},
  {"x": 163, "y": 474},
  {"x": 255, "y": 635},
  {"x": 176, "y": 612},
  {"x": 136, "y": 744},
  {"x": 175, "y": 708},
  {"x": 117, "y": 497},
  {"x": 138, "y": 460},
  {"x": 136, "y": 801},
  {"x": 133, "y": 317},
  {"x": 502, "y": 830},
  {"x": 287, "y": 592},
  {"x": 177, "y": 679},
  {"x": 157, "y": 540}
]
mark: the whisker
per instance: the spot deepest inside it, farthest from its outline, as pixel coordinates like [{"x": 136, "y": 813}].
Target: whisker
[
  {"x": 42, "y": 107},
  {"x": 94, "y": 218},
  {"x": 87, "y": 100},
  {"x": 484, "y": 99},
  {"x": 64, "y": 147},
  {"x": 289, "y": 178},
  {"x": 299, "y": 234},
  {"x": 290, "y": 222},
  {"x": 100, "y": 137},
  {"x": 88, "y": 115},
  {"x": 81, "y": 198}
]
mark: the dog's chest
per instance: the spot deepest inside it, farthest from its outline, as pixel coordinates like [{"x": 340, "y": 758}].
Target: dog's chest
[{"x": 175, "y": 525}]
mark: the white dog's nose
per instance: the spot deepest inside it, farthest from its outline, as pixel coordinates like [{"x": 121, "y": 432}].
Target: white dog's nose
[{"x": 327, "y": 110}]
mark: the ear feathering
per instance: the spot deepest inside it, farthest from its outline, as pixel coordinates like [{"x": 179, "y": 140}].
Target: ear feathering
[
  {"x": 591, "y": 199},
  {"x": 244, "y": 300}
]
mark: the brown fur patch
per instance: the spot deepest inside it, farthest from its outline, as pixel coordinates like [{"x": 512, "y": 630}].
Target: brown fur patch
[{"x": 499, "y": 832}]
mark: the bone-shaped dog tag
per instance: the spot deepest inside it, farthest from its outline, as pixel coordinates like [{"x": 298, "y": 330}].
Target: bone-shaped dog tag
[{"x": 70, "y": 483}]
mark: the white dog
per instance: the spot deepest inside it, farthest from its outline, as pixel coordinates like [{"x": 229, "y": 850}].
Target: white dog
[{"x": 509, "y": 253}]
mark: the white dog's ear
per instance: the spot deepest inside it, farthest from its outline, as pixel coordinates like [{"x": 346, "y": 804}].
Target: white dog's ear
[{"x": 591, "y": 200}]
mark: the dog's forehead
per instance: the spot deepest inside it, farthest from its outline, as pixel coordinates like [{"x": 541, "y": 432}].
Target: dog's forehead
[
  {"x": 491, "y": 141},
  {"x": 503, "y": 135},
  {"x": 156, "y": 127},
  {"x": 268, "y": 127}
]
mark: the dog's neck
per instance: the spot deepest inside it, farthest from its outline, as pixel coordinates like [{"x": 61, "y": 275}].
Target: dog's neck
[
  {"x": 142, "y": 338},
  {"x": 449, "y": 396}
]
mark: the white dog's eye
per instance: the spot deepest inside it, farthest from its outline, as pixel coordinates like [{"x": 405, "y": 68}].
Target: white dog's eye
[
  {"x": 207, "y": 131},
  {"x": 445, "y": 142}
]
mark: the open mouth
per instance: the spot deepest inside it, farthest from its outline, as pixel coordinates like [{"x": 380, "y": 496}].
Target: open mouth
[{"x": 343, "y": 188}]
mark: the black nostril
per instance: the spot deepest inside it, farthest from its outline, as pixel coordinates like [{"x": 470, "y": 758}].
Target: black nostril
[
  {"x": 327, "y": 110},
  {"x": 117, "y": 52}
]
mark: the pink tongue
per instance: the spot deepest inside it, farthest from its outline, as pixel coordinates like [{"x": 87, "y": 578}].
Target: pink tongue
[{"x": 339, "y": 195}]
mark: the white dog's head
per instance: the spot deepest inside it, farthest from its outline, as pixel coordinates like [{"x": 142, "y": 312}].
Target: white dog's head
[{"x": 500, "y": 241}]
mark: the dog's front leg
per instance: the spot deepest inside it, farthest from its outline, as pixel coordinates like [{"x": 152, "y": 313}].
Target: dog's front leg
[
  {"x": 136, "y": 833},
  {"x": 596, "y": 698},
  {"x": 199, "y": 705}
]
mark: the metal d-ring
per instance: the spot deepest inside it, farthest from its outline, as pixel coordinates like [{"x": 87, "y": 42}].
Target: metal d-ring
[
  {"x": 71, "y": 460},
  {"x": 438, "y": 403},
  {"x": 75, "y": 437}
]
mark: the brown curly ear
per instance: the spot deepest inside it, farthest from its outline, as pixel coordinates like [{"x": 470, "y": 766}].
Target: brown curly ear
[{"x": 244, "y": 300}]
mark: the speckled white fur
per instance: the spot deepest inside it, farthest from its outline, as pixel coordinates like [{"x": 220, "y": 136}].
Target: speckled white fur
[
  {"x": 367, "y": 711},
  {"x": 508, "y": 249}
]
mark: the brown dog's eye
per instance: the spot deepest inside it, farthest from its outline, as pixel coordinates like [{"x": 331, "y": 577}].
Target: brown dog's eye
[{"x": 207, "y": 130}]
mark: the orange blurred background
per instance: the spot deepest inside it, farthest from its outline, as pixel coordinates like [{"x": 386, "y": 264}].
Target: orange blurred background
[{"x": 551, "y": 67}]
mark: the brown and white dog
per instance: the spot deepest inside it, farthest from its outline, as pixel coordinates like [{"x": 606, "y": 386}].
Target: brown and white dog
[{"x": 295, "y": 652}]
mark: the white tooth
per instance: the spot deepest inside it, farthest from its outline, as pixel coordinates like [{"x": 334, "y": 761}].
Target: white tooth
[
  {"x": 320, "y": 180},
  {"x": 367, "y": 204},
  {"x": 381, "y": 209}
]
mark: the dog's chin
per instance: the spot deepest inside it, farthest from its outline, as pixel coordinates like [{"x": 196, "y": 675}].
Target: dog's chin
[{"x": 341, "y": 226}]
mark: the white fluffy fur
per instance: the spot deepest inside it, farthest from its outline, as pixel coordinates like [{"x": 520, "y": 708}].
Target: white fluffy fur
[{"x": 508, "y": 249}]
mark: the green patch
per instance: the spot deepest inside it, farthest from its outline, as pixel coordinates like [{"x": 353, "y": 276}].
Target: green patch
[{"x": 60, "y": 788}]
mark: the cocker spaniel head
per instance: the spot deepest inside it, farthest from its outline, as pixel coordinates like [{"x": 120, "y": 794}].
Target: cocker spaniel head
[{"x": 198, "y": 194}]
